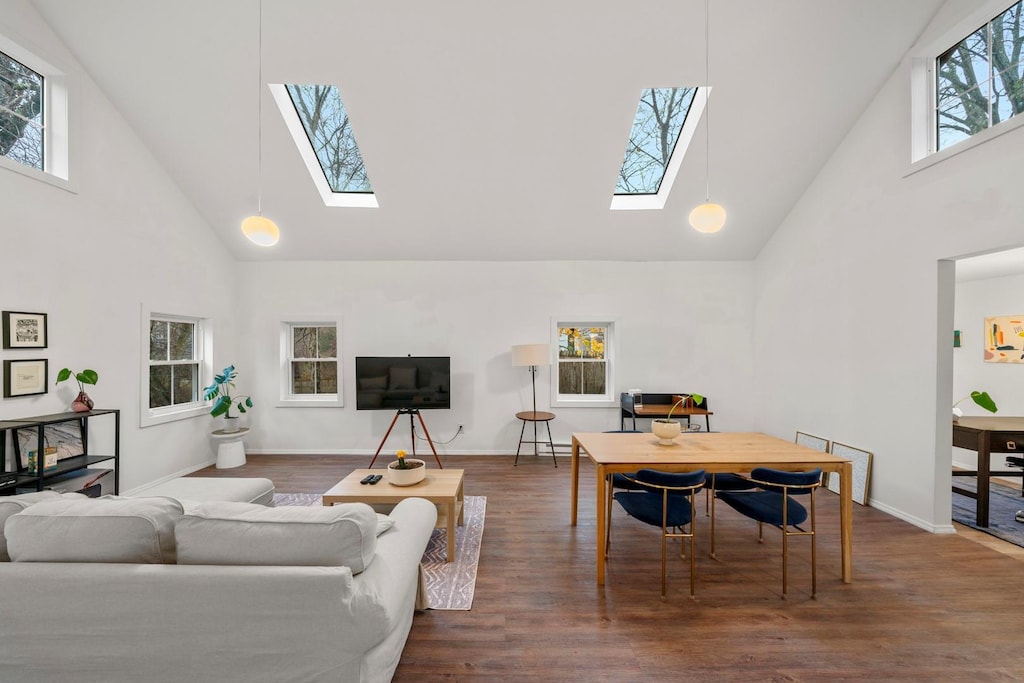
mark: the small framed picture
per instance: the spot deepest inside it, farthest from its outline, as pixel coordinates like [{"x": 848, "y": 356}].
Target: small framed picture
[
  {"x": 25, "y": 377},
  {"x": 24, "y": 330}
]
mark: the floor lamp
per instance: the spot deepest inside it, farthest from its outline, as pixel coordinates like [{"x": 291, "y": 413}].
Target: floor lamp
[{"x": 532, "y": 355}]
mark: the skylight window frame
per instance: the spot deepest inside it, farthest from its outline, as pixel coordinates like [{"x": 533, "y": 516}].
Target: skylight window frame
[
  {"x": 657, "y": 200},
  {"x": 360, "y": 199}
]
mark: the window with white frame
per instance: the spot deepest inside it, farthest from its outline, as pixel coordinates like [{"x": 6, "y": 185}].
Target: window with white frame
[
  {"x": 980, "y": 79},
  {"x": 33, "y": 115},
  {"x": 177, "y": 362},
  {"x": 584, "y": 363},
  {"x": 310, "y": 372}
]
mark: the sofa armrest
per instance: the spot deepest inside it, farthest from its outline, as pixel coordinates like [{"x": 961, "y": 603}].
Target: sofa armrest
[{"x": 392, "y": 578}]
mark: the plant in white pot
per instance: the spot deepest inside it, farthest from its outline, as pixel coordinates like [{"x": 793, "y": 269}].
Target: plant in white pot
[
  {"x": 223, "y": 385},
  {"x": 981, "y": 398},
  {"x": 667, "y": 429},
  {"x": 406, "y": 471}
]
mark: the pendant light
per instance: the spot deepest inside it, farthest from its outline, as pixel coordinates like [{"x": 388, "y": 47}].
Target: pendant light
[
  {"x": 259, "y": 229},
  {"x": 708, "y": 217}
]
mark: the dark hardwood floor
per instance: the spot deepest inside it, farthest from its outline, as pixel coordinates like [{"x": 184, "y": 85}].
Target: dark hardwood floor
[{"x": 922, "y": 607}]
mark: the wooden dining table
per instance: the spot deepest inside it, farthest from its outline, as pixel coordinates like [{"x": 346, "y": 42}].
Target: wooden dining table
[{"x": 714, "y": 452}]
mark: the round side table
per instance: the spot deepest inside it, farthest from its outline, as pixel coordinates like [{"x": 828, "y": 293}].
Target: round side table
[
  {"x": 230, "y": 450},
  {"x": 535, "y": 416}
]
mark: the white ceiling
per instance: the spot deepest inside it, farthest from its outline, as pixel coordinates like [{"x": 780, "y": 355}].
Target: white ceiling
[{"x": 491, "y": 131}]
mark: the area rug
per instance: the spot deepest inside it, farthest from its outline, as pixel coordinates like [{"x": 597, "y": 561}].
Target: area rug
[
  {"x": 450, "y": 585},
  {"x": 1003, "y": 503}
]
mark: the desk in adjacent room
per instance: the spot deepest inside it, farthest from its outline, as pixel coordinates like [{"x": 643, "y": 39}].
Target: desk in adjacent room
[
  {"x": 717, "y": 452},
  {"x": 658, "y": 405},
  {"x": 985, "y": 435}
]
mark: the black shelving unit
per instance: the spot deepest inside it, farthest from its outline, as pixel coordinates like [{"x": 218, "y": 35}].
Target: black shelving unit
[{"x": 37, "y": 480}]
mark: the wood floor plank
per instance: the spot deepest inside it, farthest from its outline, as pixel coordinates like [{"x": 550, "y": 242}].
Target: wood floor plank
[{"x": 922, "y": 607}]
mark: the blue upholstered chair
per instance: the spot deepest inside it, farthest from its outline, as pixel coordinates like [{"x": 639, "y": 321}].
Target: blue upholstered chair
[
  {"x": 665, "y": 500},
  {"x": 722, "y": 481},
  {"x": 774, "y": 504},
  {"x": 619, "y": 480}
]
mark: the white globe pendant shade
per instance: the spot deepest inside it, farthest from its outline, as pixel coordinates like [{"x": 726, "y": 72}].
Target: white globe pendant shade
[
  {"x": 707, "y": 218},
  {"x": 261, "y": 231}
]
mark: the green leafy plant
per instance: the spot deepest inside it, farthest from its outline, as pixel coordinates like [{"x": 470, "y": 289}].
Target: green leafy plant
[
  {"x": 981, "y": 398},
  {"x": 697, "y": 399},
  {"x": 84, "y": 377},
  {"x": 223, "y": 385}
]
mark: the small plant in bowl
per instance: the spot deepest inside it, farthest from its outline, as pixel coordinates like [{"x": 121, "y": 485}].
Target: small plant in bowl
[
  {"x": 667, "y": 429},
  {"x": 82, "y": 403},
  {"x": 223, "y": 385},
  {"x": 981, "y": 398},
  {"x": 406, "y": 471}
]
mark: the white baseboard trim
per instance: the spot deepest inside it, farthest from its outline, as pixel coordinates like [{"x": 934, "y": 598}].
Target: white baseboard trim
[
  {"x": 369, "y": 452},
  {"x": 916, "y": 521},
  {"x": 161, "y": 480}
]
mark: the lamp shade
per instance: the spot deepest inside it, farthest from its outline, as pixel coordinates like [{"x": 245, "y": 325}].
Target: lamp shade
[
  {"x": 261, "y": 231},
  {"x": 707, "y": 218},
  {"x": 531, "y": 354}
]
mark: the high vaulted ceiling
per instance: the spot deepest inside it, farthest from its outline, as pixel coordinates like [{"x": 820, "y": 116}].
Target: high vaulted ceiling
[{"x": 491, "y": 131}]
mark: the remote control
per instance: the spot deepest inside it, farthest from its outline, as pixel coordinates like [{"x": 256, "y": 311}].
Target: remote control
[
  {"x": 367, "y": 479},
  {"x": 376, "y": 478}
]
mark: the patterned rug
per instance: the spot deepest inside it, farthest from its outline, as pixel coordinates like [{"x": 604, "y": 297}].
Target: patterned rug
[
  {"x": 450, "y": 585},
  {"x": 1003, "y": 503}
]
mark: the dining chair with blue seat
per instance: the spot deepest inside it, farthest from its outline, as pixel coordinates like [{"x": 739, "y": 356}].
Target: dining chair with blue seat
[
  {"x": 773, "y": 504},
  {"x": 664, "y": 500}
]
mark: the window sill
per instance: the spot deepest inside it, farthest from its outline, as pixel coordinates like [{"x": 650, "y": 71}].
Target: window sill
[
  {"x": 149, "y": 418},
  {"x": 965, "y": 145},
  {"x": 579, "y": 403},
  {"x": 36, "y": 174},
  {"x": 326, "y": 401}
]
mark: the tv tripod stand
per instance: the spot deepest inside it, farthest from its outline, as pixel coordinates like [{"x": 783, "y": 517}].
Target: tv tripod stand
[{"x": 412, "y": 434}]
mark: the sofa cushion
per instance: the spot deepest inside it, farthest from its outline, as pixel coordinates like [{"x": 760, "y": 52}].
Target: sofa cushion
[
  {"x": 190, "y": 490},
  {"x": 109, "y": 529},
  {"x": 12, "y": 505},
  {"x": 240, "y": 533}
]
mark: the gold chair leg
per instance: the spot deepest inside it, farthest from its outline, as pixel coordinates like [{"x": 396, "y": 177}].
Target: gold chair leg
[
  {"x": 785, "y": 541},
  {"x": 711, "y": 495},
  {"x": 814, "y": 558}
]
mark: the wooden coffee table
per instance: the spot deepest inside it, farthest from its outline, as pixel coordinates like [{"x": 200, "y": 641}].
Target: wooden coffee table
[{"x": 443, "y": 488}]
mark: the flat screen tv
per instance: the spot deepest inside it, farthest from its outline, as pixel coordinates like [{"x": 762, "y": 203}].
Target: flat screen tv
[{"x": 403, "y": 382}]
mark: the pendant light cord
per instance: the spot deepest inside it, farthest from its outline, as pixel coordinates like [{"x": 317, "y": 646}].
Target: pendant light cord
[
  {"x": 707, "y": 101},
  {"x": 259, "y": 109}
]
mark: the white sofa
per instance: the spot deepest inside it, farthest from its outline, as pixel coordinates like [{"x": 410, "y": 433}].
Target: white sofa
[{"x": 91, "y": 593}]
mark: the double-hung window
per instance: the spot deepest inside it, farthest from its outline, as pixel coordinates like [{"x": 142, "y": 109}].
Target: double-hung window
[
  {"x": 584, "y": 364},
  {"x": 33, "y": 115},
  {"x": 176, "y": 366},
  {"x": 310, "y": 371}
]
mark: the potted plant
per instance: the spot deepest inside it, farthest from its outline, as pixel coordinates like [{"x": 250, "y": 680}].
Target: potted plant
[
  {"x": 667, "y": 429},
  {"x": 223, "y": 385},
  {"x": 83, "y": 403},
  {"x": 406, "y": 471},
  {"x": 981, "y": 398}
]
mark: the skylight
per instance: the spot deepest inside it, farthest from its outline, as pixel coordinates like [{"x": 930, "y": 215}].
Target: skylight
[
  {"x": 322, "y": 130},
  {"x": 662, "y": 129}
]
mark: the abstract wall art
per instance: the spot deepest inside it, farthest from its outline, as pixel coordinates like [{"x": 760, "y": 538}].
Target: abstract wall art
[{"x": 1004, "y": 339}]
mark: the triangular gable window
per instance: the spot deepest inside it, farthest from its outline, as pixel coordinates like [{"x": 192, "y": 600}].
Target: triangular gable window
[
  {"x": 322, "y": 130},
  {"x": 662, "y": 129}
]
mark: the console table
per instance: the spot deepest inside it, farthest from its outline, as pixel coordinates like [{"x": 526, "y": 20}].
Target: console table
[
  {"x": 658, "y": 405},
  {"x": 986, "y": 435}
]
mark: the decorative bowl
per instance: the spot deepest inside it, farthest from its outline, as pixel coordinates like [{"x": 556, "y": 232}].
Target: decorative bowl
[
  {"x": 415, "y": 473},
  {"x": 665, "y": 430}
]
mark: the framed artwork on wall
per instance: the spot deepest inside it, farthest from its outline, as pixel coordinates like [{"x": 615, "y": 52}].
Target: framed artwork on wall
[
  {"x": 25, "y": 377},
  {"x": 1004, "y": 339},
  {"x": 24, "y": 330}
]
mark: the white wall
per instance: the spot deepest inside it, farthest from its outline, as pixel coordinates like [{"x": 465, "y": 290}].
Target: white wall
[
  {"x": 679, "y": 326},
  {"x": 89, "y": 258},
  {"x": 1004, "y": 382},
  {"x": 854, "y": 311}
]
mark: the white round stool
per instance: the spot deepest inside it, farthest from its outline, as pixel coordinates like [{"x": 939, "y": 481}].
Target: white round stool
[{"x": 230, "y": 451}]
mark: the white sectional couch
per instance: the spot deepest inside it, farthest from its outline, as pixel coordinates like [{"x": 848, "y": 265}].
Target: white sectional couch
[{"x": 110, "y": 590}]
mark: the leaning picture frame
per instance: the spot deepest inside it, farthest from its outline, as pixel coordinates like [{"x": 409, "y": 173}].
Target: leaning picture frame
[
  {"x": 25, "y": 377},
  {"x": 24, "y": 330}
]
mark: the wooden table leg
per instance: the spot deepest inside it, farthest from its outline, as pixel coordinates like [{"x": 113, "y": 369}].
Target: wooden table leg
[
  {"x": 984, "y": 465},
  {"x": 846, "y": 519},
  {"x": 575, "y": 477},
  {"x": 599, "y": 507},
  {"x": 451, "y": 531}
]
